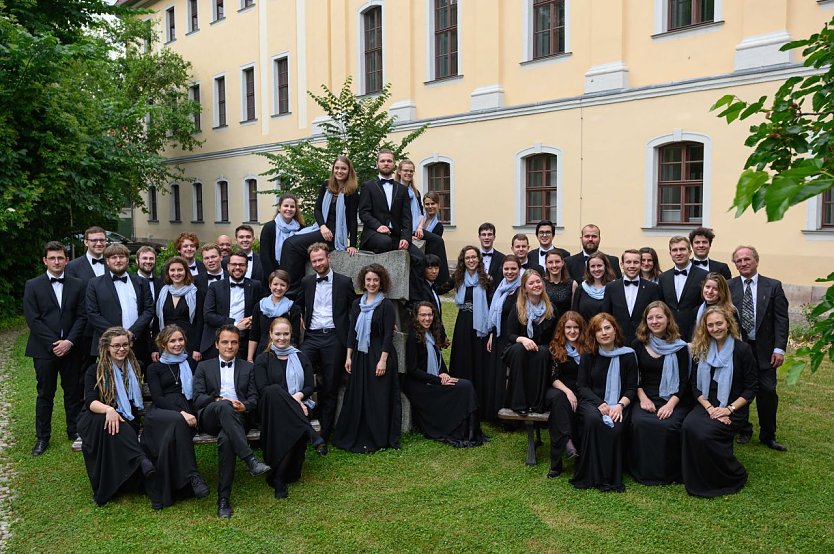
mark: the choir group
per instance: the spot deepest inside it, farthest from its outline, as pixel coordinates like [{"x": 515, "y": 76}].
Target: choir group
[{"x": 648, "y": 370}]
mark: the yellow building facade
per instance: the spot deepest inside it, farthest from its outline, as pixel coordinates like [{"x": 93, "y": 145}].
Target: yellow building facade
[{"x": 583, "y": 111}]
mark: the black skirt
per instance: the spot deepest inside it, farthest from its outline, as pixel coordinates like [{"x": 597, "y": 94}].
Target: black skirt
[
  {"x": 446, "y": 413},
  {"x": 168, "y": 440},
  {"x": 601, "y": 463},
  {"x": 654, "y": 454},
  {"x": 285, "y": 432},
  {"x": 708, "y": 464}
]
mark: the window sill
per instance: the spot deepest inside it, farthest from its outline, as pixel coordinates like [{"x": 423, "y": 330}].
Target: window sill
[
  {"x": 195, "y": 222},
  {"x": 531, "y": 228},
  {"x": 689, "y": 29},
  {"x": 153, "y": 221},
  {"x": 177, "y": 221},
  {"x": 819, "y": 234},
  {"x": 222, "y": 222},
  {"x": 253, "y": 222},
  {"x": 246, "y": 8},
  {"x": 249, "y": 121},
  {"x": 167, "y": 42},
  {"x": 192, "y": 31},
  {"x": 370, "y": 95},
  {"x": 440, "y": 81},
  {"x": 285, "y": 114},
  {"x": 218, "y": 20},
  {"x": 546, "y": 59},
  {"x": 218, "y": 127}
]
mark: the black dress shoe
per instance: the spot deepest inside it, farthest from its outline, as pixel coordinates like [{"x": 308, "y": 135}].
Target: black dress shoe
[
  {"x": 773, "y": 445},
  {"x": 321, "y": 449},
  {"x": 73, "y": 436},
  {"x": 281, "y": 490},
  {"x": 570, "y": 449},
  {"x": 743, "y": 438},
  {"x": 156, "y": 506},
  {"x": 256, "y": 467},
  {"x": 198, "y": 484},
  {"x": 148, "y": 470},
  {"x": 224, "y": 508},
  {"x": 40, "y": 447},
  {"x": 553, "y": 473}
]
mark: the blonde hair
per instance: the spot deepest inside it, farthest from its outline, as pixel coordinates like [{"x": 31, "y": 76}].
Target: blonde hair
[
  {"x": 701, "y": 338},
  {"x": 104, "y": 368},
  {"x": 521, "y": 300}
]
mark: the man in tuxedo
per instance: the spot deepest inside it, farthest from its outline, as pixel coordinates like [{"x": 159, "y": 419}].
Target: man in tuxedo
[
  {"x": 590, "y": 239},
  {"x": 230, "y": 301},
  {"x": 425, "y": 290},
  {"x": 119, "y": 298},
  {"x": 186, "y": 245},
  {"x": 680, "y": 286},
  {"x": 763, "y": 307},
  {"x": 701, "y": 240},
  {"x": 520, "y": 247},
  {"x": 326, "y": 298},
  {"x": 244, "y": 236},
  {"x": 214, "y": 267},
  {"x": 224, "y": 243},
  {"x": 493, "y": 259},
  {"x": 627, "y": 298},
  {"x": 88, "y": 267},
  {"x": 146, "y": 266},
  {"x": 545, "y": 231},
  {"x": 53, "y": 304},
  {"x": 225, "y": 395}
]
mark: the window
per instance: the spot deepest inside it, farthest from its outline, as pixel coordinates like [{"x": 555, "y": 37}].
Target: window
[
  {"x": 153, "y": 215},
  {"x": 439, "y": 180},
  {"x": 548, "y": 28},
  {"x": 251, "y": 186},
  {"x": 372, "y": 49},
  {"x": 222, "y": 207},
  {"x": 247, "y": 81},
  {"x": 445, "y": 38},
  {"x": 246, "y": 4},
  {"x": 218, "y": 10},
  {"x": 220, "y": 102},
  {"x": 827, "y": 218},
  {"x": 193, "y": 20},
  {"x": 197, "y": 202},
  {"x": 170, "y": 25},
  {"x": 175, "y": 204},
  {"x": 684, "y": 13},
  {"x": 540, "y": 186},
  {"x": 194, "y": 94},
  {"x": 281, "y": 101},
  {"x": 680, "y": 183}
]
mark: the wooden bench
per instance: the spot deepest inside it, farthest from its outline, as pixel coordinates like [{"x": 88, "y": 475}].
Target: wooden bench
[{"x": 533, "y": 432}]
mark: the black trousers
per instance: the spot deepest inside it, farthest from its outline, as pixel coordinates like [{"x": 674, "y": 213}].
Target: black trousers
[
  {"x": 46, "y": 372},
  {"x": 328, "y": 356},
  {"x": 379, "y": 243},
  {"x": 767, "y": 403},
  {"x": 219, "y": 418}
]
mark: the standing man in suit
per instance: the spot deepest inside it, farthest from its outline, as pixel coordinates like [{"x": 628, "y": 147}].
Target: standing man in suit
[
  {"x": 88, "y": 267},
  {"x": 763, "y": 307},
  {"x": 493, "y": 259},
  {"x": 225, "y": 395},
  {"x": 545, "y": 231},
  {"x": 520, "y": 247},
  {"x": 680, "y": 286},
  {"x": 186, "y": 245},
  {"x": 701, "y": 240},
  {"x": 224, "y": 243},
  {"x": 326, "y": 298},
  {"x": 53, "y": 304},
  {"x": 118, "y": 298},
  {"x": 627, "y": 298},
  {"x": 230, "y": 301},
  {"x": 590, "y": 239},
  {"x": 244, "y": 236},
  {"x": 146, "y": 266},
  {"x": 214, "y": 267}
]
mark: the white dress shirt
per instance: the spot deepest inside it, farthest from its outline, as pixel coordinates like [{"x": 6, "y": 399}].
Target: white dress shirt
[
  {"x": 631, "y": 293},
  {"x": 237, "y": 302},
  {"x": 57, "y": 288},
  {"x": 322, "y": 317},
  {"x": 98, "y": 269},
  {"x": 680, "y": 280},
  {"x": 227, "y": 380},
  {"x": 127, "y": 300}
]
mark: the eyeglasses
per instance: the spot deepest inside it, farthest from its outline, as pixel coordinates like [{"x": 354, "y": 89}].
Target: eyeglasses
[
  {"x": 120, "y": 346},
  {"x": 235, "y": 264},
  {"x": 97, "y": 241},
  {"x": 545, "y": 233}
]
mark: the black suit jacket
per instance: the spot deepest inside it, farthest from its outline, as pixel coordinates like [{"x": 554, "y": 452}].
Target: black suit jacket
[
  {"x": 105, "y": 311},
  {"x": 216, "y": 308},
  {"x": 614, "y": 302},
  {"x": 157, "y": 286},
  {"x": 717, "y": 267},
  {"x": 685, "y": 309},
  {"x": 576, "y": 266},
  {"x": 536, "y": 254},
  {"x": 343, "y": 296},
  {"x": 257, "y": 267},
  {"x": 207, "y": 383},
  {"x": 772, "y": 323},
  {"x": 373, "y": 210},
  {"x": 46, "y": 320},
  {"x": 495, "y": 270},
  {"x": 201, "y": 281},
  {"x": 80, "y": 268}
]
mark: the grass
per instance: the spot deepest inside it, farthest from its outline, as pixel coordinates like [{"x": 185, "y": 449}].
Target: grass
[{"x": 431, "y": 497}]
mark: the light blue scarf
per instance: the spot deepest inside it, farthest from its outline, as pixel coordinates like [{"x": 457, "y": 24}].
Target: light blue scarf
[
  {"x": 612, "y": 381},
  {"x": 480, "y": 310},
  {"x": 185, "y": 371},
  {"x": 295, "y": 371},
  {"x": 431, "y": 223},
  {"x": 432, "y": 355},
  {"x": 592, "y": 291},
  {"x": 534, "y": 312},
  {"x": 670, "y": 379},
  {"x": 723, "y": 363},
  {"x": 363, "y": 322},
  {"x": 270, "y": 310},
  {"x": 340, "y": 233},
  {"x": 124, "y": 398},
  {"x": 572, "y": 352},
  {"x": 190, "y": 293},
  {"x": 416, "y": 212},
  {"x": 283, "y": 231},
  {"x": 505, "y": 288}
]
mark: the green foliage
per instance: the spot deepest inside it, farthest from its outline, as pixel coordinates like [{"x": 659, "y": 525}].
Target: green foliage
[
  {"x": 357, "y": 128},
  {"x": 792, "y": 161}
]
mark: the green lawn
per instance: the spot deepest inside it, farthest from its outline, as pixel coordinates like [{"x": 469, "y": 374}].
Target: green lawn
[{"x": 428, "y": 496}]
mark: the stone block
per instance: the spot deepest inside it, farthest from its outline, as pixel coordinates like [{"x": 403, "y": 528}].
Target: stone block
[{"x": 396, "y": 262}]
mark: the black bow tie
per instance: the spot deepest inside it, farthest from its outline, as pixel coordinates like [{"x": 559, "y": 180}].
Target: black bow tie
[
  {"x": 386, "y": 181},
  {"x": 700, "y": 262},
  {"x": 123, "y": 278},
  {"x": 56, "y": 280},
  {"x": 320, "y": 279},
  {"x": 681, "y": 272},
  {"x": 249, "y": 257},
  {"x": 98, "y": 261},
  {"x": 193, "y": 267},
  {"x": 487, "y": 254},
  {"x": 232, "y": 284},
  {"x": 627, "y": 282},
  {"x": 214, "y": 277},
  {"x": 226, "y": 364}
]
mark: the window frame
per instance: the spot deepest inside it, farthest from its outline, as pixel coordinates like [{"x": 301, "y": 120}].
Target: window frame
[
  {"x": 562, "y": 35},
  {"x": 437, "y": 34},
  {"x": 521, "y": 158},
  {"x": 175, "y": 204},
  {"x": 220, "y": 103},
  {"x": 424, "y": 168},
  {"x": 218, "y": 11},
  {"x": 662, "y": 14},
  {"x": 170, "y": 24},
  {"x": 826, "y": 199},
  {"x": 278, "y": 86},
  {"x": 197, "y": 203},
  {"x": 194, "y": 95},
  {"x": 249, "y": 199},
  {"x": 193, "y": 13},
  {"x": 683, "y": 185},
  {"x": 248, "y": 98},
  {"x": 377, "y": 53},
  {"x": 153, "y": 204},
  {"x": 221, "y": 201},
  {"x": 551, "y": 166}
]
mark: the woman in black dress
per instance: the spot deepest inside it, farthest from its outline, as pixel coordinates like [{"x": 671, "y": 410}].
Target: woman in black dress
[
  {"x": 588, "y": 297},
  {"x": 607, "y": 385},
  {"x": 179, "y": 302},
  {"x": 563, "y": 395},
  {"x": 723, "y": 385},
  {"x": 425, "y": 221},
  {"x": 495, "y": 372},
  {"x": 663, "y": 398},
  {"x": 284, "y": 379},
  {"x": 336, "y": 224},
  {"x": 560, "y": 287},
  {"x": 445, "y": 408},
  {"x": 469, "y": 354},
  {"x": 530, "y": 327},
  {"x": 649, "y": 264},
  {"x": 268, "y": 308},
  {"x": 371, "y": 416},
  {"x": 716, "y": 292},
  {"x": 109, "y": 419},
  {"x": 275, "y": 237},
  {"x": 171, "y": 422}
]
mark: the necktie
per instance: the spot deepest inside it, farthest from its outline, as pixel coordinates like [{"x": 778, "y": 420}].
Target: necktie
[
  {"x": 56, "y": 280},
  {"x": 680, "y": 272},
  {"x": 704, "y": 263},
  {"x": 232, "y": 284},
  {"x": 214, "y": 277},
  {"x": 123, "y": 278},
  {"x": 320, "y": 279},
  {"x": 627, "y": 282},
  {"x": 225, "y": 364},
  {"x": 748, "y": 319},
  {"x": 98, "y": 261}
]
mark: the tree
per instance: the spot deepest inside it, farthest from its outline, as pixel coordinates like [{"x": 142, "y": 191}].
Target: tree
[
  {"x": 792, "y": 161},
  {"x": 85, "y": 114},
  {"x": 357, "y": 128}
]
